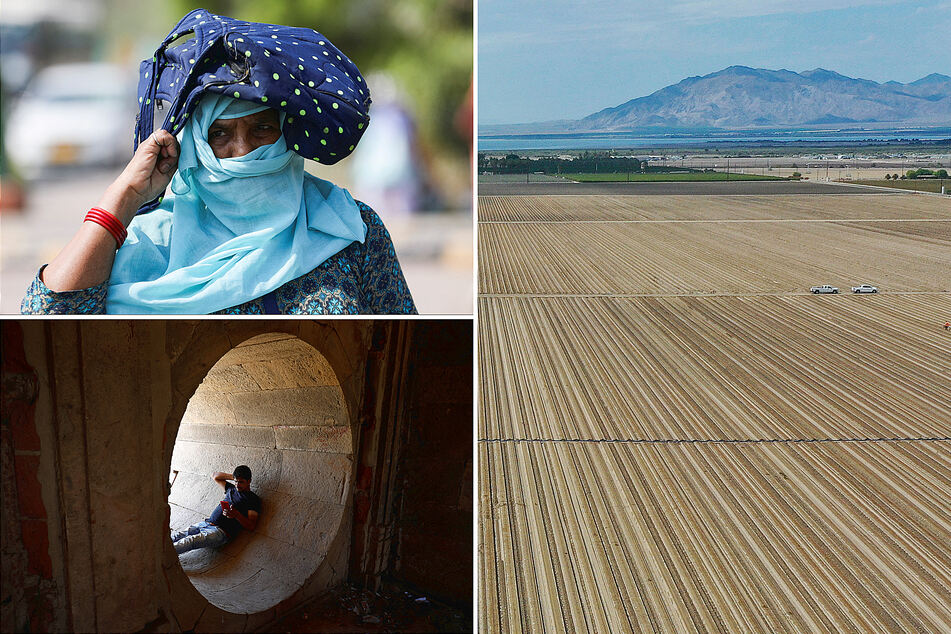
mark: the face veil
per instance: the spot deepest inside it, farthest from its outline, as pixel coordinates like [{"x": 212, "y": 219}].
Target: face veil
[{"x": 229, "y": 230}]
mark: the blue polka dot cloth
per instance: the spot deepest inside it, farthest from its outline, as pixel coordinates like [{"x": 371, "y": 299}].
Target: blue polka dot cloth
[{"x": 292, "y": 69}]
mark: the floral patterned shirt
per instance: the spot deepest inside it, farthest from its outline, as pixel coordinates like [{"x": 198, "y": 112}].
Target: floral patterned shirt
[{"x": 361, "y": 279}]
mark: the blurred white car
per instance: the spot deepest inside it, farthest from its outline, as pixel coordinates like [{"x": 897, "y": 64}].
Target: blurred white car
[
  {"x": 825, "y": 288},
  {"x": 73, "y": 114},
  {"x": 864, "y": 288}
]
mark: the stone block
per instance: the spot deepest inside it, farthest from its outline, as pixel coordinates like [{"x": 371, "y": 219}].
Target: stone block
[
  {"x": 205, "y": 459},
  {"x": 285, "y": 347},
  {"x": 333, "y": 569},
  {"x": 211, "y": 408},
  {"x": 195, "y": 492},
  {"x": 262, "y": 592},
  {"x": 305, "y": 523},
  {"x": 227, "y": 573},
  {"x": 238, "y": 435},
  {"x": 202, "y": 560},
  {"x": 328, "y": 439},
  {"x": 228, "y": 378},
  {"x": 308, "y": 369},
  {"x": 292, "y": 407},
  {"x": 317, "y": 476},
  {"x": 345, "y": 348}
]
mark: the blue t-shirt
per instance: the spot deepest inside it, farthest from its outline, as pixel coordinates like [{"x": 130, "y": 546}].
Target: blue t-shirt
[{"x": 244, "y": 502}]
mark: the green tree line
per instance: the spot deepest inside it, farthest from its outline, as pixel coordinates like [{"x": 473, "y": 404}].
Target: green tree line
[{"x": 587, "y": 163}]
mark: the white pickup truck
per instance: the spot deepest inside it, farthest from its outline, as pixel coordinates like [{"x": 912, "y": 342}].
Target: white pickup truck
[
  {"x": 825, "y": 288},
  {"x": 864, "y": 288}
]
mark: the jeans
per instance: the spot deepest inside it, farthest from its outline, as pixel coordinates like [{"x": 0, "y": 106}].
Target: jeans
[{"x": 201, "y": 535}]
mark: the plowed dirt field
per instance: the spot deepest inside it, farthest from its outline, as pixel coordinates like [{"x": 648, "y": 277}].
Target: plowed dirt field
[{"x": 675, "y": 436}]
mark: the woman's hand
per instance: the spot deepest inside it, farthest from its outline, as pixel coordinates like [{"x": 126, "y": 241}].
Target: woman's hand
[
  {"x": 87, "y": 259},
  {"x": 150, "y": 170}
]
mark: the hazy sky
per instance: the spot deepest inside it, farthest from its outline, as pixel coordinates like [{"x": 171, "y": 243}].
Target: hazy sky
[{"x": 558, "y": 59}]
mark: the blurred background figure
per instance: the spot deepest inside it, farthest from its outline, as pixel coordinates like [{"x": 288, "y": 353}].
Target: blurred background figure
[
  {"x": 68, "y": 70},
  {"x": 386, "y": 166}
]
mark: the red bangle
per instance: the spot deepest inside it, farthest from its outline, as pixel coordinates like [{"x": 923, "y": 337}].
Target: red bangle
[{"x": 108, "y": 222}]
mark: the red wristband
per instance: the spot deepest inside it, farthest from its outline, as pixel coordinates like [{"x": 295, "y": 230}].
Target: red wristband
[{"x": 108, "y": 222}]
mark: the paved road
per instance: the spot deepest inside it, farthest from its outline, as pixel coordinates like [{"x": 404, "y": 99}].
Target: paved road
[{"x": 667, "y": 189}]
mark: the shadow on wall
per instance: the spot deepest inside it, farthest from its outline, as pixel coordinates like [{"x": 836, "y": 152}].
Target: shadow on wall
[{"x": 272, "y": 403}]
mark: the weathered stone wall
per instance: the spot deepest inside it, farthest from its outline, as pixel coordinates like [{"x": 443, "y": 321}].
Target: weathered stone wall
[
  {"x": 111, "y": 395},
  {"x": 375, "y": 428}
]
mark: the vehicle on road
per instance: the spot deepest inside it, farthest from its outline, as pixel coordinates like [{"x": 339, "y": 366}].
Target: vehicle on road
[
  {"x": 865, "y": 288},
  {"x": 825, "y": 288},
  {"x": 72, "y": 114}
]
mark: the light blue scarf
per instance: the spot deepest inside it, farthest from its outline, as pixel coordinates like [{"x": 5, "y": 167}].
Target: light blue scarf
[{"x": 230, "y": 230}]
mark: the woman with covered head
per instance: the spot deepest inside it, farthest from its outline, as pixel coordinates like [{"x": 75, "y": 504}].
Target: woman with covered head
[{"x": 241, "y": 229}]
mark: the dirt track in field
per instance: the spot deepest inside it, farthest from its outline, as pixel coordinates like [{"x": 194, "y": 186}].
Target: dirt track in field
[{"x": 676, "y": 438}]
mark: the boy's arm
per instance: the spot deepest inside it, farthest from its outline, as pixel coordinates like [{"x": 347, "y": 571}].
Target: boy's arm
[{"x": 222, "y": 478}]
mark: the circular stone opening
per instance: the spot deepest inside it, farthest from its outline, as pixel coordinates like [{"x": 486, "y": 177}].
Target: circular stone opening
[{"x": 272, "y": 403}]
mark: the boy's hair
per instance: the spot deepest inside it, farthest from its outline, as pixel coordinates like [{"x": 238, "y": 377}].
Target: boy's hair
[{"x": 242, "y": 472}]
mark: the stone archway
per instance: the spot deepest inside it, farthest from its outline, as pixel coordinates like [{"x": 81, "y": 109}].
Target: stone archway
[
  {"x": 205, "y": 362},
  {"x": 273, "y": 403}
]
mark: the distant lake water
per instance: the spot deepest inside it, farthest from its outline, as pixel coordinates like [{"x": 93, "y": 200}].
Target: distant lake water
[{"x": 621, "y": 140}]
